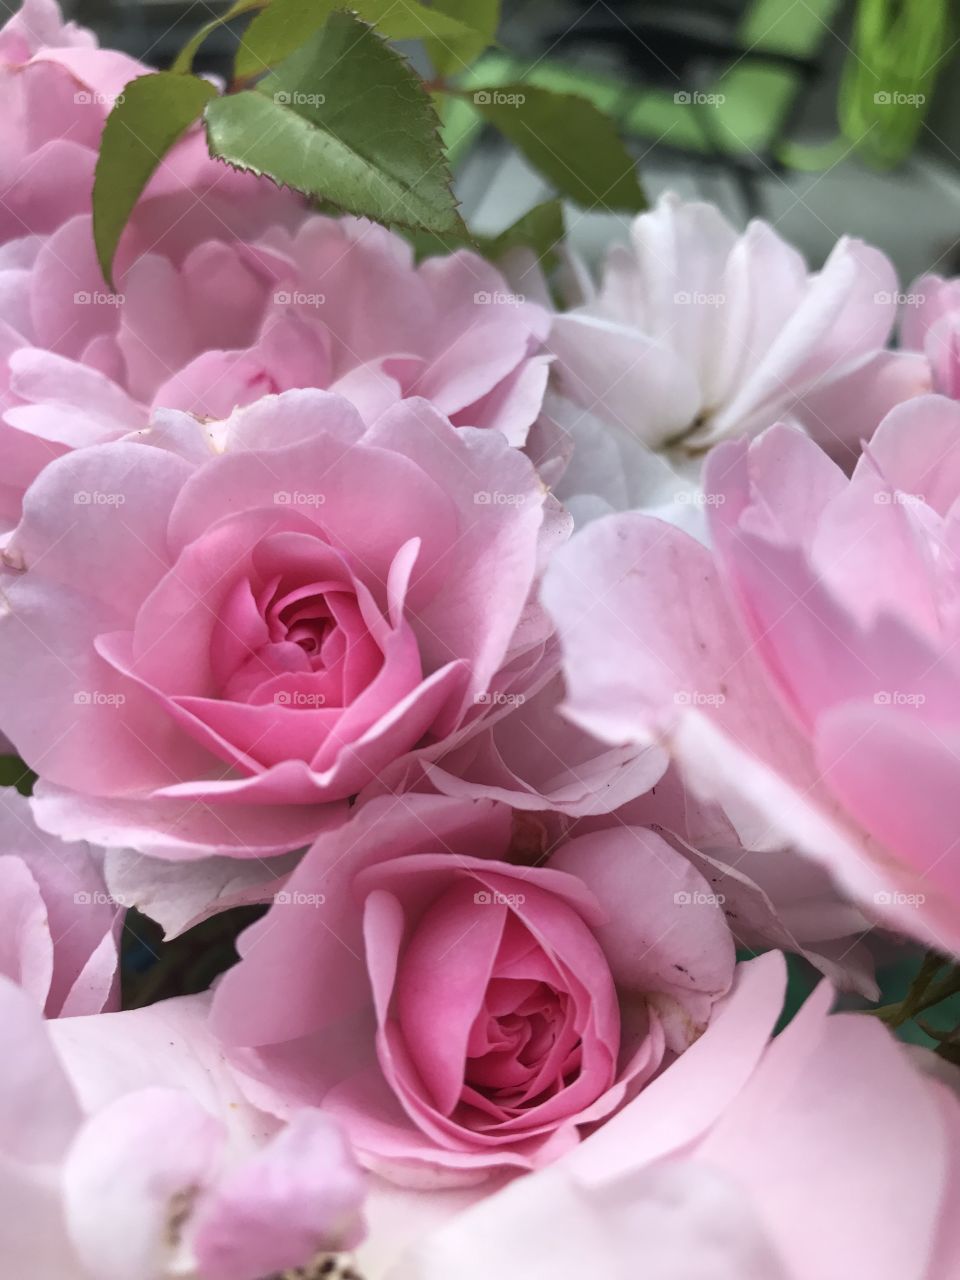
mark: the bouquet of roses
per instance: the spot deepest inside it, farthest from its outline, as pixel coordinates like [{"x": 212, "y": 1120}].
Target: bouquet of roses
[{"x": 440, "y": 687}]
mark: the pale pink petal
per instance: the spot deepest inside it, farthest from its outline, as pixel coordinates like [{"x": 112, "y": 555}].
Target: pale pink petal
[
  {"x": 128, "y": 1177},
  {"x": 296, "y": 1198},
  {"x": 665, "y": 934}
]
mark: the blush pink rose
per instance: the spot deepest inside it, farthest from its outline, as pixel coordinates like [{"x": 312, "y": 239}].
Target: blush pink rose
[
  {"x": 56, "y": 90},
  {"x": 340, "y": 305},
  {"x": 264, "y": 615},
  {"x": 697, "y": 334},
  {"x": 483, "y": 1013},
  {"x": 58, "y": 924},
  {"x": 804, "y": 673},
  {"x": 127, "y": 1154},
  {"x": 818, "y": 1155}
]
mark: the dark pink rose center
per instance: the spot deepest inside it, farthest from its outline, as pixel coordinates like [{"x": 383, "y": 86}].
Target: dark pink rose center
[
  {"x": 307, "y": 645},
  {"x": 522, "y": 1026},
  {"x": 289, "y": 650},
  {"x": 529, "y": 1002}
]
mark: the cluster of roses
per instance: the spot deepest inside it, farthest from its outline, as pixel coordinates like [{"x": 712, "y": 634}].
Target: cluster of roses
[{"x": 294, "y": 613}]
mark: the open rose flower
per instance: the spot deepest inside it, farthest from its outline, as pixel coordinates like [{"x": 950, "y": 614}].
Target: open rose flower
[
  {"x": 339, "y": 305},
  {"x": 698, "y": 334},
  {"x": 482, "y": 1013},
  {"x": 127, "y": 1154},
  {"x": 264, "y": 614},
  {"x": 58, "y": 925},
  {"x": 805, "y": 673},
  {"x": 57, "y": 89},
  {"x": 822, "y": 1152}
]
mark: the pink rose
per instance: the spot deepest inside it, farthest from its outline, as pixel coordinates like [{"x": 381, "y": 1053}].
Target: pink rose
[
  {"x": 56, "y": 90},
  {"x": 748, "y": 1159},
  {"x": 263, "y": 616},
  {"x": 804, "y": 673},
  {"x": 682, "y": 347},
  {"x": 483, "y": 1013},
  {"x": 58, "y": 925},
  {"x": 232, "y": 322},
  {"x": 698, "y": 334},
  {"x": 126, "y": 1152}
]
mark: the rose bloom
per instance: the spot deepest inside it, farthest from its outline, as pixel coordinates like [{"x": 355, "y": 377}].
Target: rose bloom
[
  {"x": 339, "y": 304},
  {"x": 697, "y": 334},
  {"x": 805, "y": 672},
  {"x": 60, "y": 926},
  {"x": 819, "y": 1155},
  {"x": 224, "y": 290},
  {"x": 461, "y": 1014},
  {"x": 264, "y": 614},
  {"x": 57, "y": 89},
  {"x": 126, "y": 1153}
]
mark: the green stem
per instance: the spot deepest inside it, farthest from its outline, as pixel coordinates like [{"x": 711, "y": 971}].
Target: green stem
[{"x": 923, "y": 993}]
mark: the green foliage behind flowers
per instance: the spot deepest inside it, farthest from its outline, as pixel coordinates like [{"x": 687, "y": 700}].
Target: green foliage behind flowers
[{"x": 320, "y": 102}]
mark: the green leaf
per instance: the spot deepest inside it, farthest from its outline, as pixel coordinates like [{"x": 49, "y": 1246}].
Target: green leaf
[
  {"x": 344, "y": 119},
  {"x": 155, "y": 111},
  {"x": 408, "y": 20},
  {"x": 567, "y": 139},
  {"x": 451, "y": 56},
  {"x": 184, "y": 59},
  {"x": 285, "y": 25},
  {"x": 540, "y": 229},
  {"x": 278, "y": 32},
  {"x": 427, "y": 244}
]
